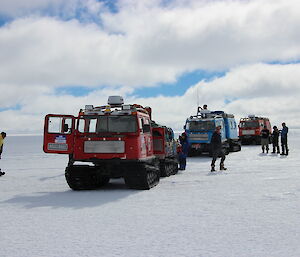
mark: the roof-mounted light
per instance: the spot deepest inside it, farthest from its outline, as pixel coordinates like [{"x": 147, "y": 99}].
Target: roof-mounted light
[
  {"x": 126, "y": 107},
  {"x": 107, "y": 109},
  {"x": 115, "y": 100},
  {"x": 89, "y": 107}
]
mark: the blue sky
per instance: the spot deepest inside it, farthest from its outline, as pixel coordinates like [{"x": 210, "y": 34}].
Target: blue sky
[
  {"x": 166, "y": 89},
  {"x": 57, "y": 56},
  {"x": 183, "y": 82}
]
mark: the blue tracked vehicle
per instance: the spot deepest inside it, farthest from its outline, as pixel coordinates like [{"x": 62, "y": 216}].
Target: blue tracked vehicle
[{"x": 199, "y": 130}]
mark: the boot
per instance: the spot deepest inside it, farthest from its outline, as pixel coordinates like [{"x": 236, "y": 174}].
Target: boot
[
  {"x": 282, "y": 150},
  {"x": 212, "y": 168},
  {"x": 222, "y": 166}
]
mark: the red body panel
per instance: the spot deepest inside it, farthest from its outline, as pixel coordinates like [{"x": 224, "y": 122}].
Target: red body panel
[{"x": 159, "y": 141}]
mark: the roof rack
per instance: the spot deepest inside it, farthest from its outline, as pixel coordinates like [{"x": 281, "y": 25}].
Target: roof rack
[
  {"x": 207, "y": 114},
  {"x": 253, "y": 118}
]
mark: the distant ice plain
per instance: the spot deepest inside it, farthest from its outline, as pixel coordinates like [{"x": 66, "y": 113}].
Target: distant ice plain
[{"x": 253, "y": 209}]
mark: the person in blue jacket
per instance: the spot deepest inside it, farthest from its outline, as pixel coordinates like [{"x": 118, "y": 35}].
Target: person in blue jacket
[
  {"x": 184, "y": 151},
  {"x": 284, "y": 146}
]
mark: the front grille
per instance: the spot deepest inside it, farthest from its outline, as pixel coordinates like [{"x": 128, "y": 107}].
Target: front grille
[
  {"x": 200, "y": 137},
  {"x": 104, "y": 146},
  {"x": 248, "y": 132}
]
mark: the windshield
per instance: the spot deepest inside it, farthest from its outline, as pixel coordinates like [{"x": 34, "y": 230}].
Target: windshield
[
  {"x": 249, "y": 124},
  {"x": 201, "y": 125},
  {"x": 116, "y": 124}
]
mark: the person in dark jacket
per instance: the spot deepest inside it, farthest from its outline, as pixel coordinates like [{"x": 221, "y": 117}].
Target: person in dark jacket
[
  {"x": 284, "y": 147},
  {"x": 217, "y": 149},
  {"x": 275, "y": 140},
  {"x": 183, "y": 151},
  {"x": 265, "y": 137}
]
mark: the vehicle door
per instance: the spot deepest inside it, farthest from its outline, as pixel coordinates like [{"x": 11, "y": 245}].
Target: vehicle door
[{"x": 59, "y": 134}]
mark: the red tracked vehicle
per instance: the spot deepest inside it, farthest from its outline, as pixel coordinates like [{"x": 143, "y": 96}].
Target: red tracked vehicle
[
  {"x": 111, "y": 141},
  {"x": 250, "y": 129}
]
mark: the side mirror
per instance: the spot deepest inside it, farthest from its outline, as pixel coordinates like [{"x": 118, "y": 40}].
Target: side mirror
[{"x": 66, "y": 128}]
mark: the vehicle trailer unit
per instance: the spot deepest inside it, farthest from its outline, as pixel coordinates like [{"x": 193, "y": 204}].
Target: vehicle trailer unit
[
  {"x": 199, "y": 130},
  {"x": 111, "y": 141},
  {"x": 250, "y": 129},
  {"x": 165, "y": 147}
]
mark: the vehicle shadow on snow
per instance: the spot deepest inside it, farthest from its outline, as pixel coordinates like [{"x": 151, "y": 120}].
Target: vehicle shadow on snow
[
  {"x": 52, "y": 177},
  {"x": 114, "y": 191},
  {"x": 197, "y": 159}
]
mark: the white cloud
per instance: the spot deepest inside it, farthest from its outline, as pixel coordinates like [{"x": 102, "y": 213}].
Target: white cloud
[
  {"x": 261, "y": 89},
  {"x": 144, "y": 44}
]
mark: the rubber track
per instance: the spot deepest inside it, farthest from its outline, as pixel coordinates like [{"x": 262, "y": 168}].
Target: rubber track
[
  {"x": 142, "y": 176},
  {"x": 84, "y": 178},
  {"x": 168, "y": 168}
]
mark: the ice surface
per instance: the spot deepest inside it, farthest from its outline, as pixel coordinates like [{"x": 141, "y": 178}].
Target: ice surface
[{"x": 253, "y": 209}]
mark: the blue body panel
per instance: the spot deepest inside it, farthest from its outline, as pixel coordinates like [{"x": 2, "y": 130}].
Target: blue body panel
[{"x": 231, "y": 128}]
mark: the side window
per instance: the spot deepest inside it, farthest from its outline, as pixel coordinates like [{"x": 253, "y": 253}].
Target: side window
[
  {"x": 222, "y": 124},
  {"x": 81, "y": 123},
  {"x": 59, "y": 125},
  {"x": 92, "y": 125},
  {"x": 141, "y": 124},
  {"x": 146, "y": 125},
  {"x": 233, "y": 125},
  {"x": 87, "y": 125}
]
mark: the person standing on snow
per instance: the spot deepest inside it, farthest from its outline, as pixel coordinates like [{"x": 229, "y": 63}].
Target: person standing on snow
[
  {"x": 284, "y": 131},
  {"x": 275, "y": 139},
  {"x": 2, "y": 136},
  {"x": 183, "y": 151},
  {"x": 265, "y": 135},
  {"x": 217, "y": 149}
]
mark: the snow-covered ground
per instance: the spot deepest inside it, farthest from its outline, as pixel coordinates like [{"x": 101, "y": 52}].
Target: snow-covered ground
[{"x": 253, "y": 209}]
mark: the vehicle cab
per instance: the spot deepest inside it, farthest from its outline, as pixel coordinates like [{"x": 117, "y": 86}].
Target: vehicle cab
[{"x": 199, "y": 132}]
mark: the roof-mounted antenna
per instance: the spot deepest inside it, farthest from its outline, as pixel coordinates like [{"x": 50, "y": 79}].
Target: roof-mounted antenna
[{"x": 197, "y": 96}]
